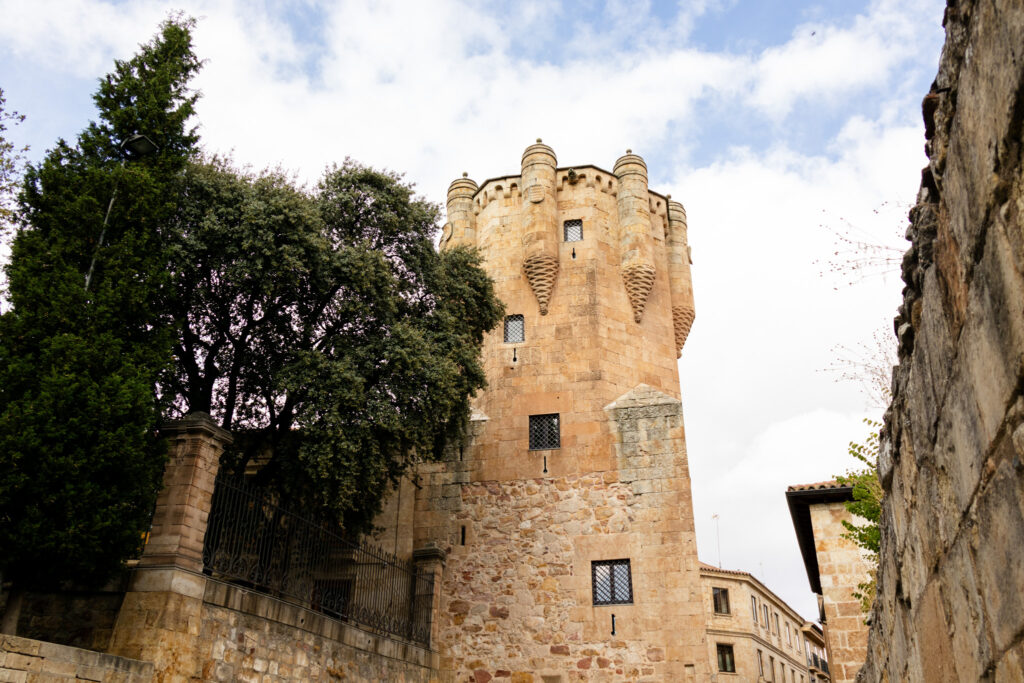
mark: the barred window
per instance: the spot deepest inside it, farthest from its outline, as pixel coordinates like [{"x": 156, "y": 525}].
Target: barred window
[
  {"x": 544, "y": 432},
  {"x": 721, "y": 600},
  {"x": 515, "y": 329},
  {"x": 726, "y": 661},
  {"x": 613, "y": 584},
  {"x": 573, "y": 230}
]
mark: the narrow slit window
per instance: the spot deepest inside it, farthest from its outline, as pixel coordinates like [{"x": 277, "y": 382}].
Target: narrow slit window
[
  {"x": 613, "y": 582},
  {"x": 515, "y": 329},
  {"x": 573, "y": 230},
  {"x": 544, "y": 432}
]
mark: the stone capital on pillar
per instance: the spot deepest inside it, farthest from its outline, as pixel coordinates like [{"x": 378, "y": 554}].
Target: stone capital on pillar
[{"x": 195, "y": 444}]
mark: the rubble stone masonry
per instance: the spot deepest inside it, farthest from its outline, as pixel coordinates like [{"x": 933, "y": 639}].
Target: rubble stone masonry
[{"x": 950, "y": 605}]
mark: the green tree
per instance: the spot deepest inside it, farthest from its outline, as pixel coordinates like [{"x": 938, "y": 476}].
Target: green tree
[
  {"x": 80, "y": 463},
  {"x": 11, "y": 159},
  {"x": 866, "y": 506},
  {"x": 326, "y": 328}
]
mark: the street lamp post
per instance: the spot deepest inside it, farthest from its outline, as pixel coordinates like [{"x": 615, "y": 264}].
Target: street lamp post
[{"x": 135, "y": 147}]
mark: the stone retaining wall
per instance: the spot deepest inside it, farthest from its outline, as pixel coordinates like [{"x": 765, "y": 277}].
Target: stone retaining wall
[
  {"x": 29, "y": 661},
  {"x": 246, "y": 636},
  {"x": 950, "y": 605}
]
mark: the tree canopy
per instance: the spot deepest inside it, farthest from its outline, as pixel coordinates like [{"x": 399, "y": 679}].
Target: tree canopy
[
  {"x": 80, "y": 462},
  {"x": 326, "y": 326}
]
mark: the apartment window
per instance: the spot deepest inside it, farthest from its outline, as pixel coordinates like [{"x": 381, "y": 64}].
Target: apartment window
[
  {"x": 573, "y": 230},
  {"x": 613, "y": 584},
  {"x": 760, "y": 664},
  {"x": 726, "y": 661},
  {"x": 777, "y": 632},
  {"x": 721, "y": 600},
  {"x": 789, "y": 641},
  {"x": 771, "y": 668},
  {"x": 753, "y": 608},
  {"x": 515, "y": 329},
  {"x": 544, "y": 432},
  {"x": 764, "y": 610}
]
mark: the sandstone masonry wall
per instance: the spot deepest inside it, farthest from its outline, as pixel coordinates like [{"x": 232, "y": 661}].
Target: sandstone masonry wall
[
  {"x": 950, "y": 605},
  {"x": 254, "y": 638},
  {"x": 522, "y": 524},
  {"x": 841, "y": 568},
  {"x": 23, "y": 660}
]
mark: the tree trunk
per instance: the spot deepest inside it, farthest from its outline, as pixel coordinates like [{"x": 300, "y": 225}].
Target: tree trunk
[{"x": 9, "y": 624}]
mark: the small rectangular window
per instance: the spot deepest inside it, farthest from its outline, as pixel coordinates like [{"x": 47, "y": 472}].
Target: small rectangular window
[
  {"x": 726, "y": 661},
  {"x": 544, "y": 432},
  {"x": 771, "y": 667},
  {"x": 573, "y": 230},
  {"x": 760, "y": 664},
  {"x": 764, "y": 610},
  {"x": 515, "y": 329},
  {"x": 613, "y": 583},
  {"x": 776, "y": 615},
  {"x": 753, "y": 608},
  {"x": 721, "y": 599}
]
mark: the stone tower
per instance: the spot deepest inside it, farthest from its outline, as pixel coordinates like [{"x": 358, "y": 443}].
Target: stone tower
[{"x": 566, "y": 517}]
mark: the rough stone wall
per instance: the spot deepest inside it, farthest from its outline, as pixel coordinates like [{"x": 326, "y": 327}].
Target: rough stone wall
[
  {"x": 516, "y": 598},
  {"x": 950, "y": 604},
  {"x": 842, "y": 568},
  {"x": 253, "y": 638},
  {"x": 78, "y": 618},
  {"x": 23, "y": 660}
]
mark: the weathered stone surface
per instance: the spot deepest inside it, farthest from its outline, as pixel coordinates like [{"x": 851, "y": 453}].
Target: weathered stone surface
[
  {"x": 25, "y": 660},
  {"x": 949, "y": 602},
  {"x": 522, "y": 526}
]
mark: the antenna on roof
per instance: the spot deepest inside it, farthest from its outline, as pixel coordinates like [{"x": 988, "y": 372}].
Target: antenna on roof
[{"x": 718, "y": 538}]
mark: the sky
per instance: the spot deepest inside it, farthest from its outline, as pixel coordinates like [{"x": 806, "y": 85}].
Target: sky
[{"x": 780, "y": 125}]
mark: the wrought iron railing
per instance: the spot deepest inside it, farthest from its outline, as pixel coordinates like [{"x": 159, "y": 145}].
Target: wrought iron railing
[{"x": 254, "y": 540}]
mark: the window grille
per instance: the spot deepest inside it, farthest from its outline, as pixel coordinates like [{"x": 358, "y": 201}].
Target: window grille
[
  {"x": 721, "y": 600},
  {"x": 573, "y": 230},
  {"x": 515, "y": 329},
  {"x": 613, "y": 584},
  {"x": 726, "y": 660},
  {"x": 544, "y": 432}
]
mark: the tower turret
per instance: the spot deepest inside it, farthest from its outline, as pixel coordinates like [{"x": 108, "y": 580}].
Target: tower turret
[
  {"x": 680, "y": 283},
  {"x": 635, "y": 240},
  {"x": 540, "y": 222},
  {"x": 461, "y": 227}
]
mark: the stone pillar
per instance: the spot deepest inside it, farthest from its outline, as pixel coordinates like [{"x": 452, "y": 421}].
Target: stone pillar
[
  {"x": 159, "y": 620},
  {"x": 430, "y": 559}
]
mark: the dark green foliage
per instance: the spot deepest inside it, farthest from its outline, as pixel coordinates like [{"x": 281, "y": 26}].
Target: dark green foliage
[
  {"x": 867, "y": 506},
  {"x": 80, "y": 463},
  {"x": 328, "y": 327}
]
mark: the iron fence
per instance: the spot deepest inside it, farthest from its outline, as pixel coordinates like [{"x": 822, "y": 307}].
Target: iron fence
[{"x": 255, "y": 541}]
